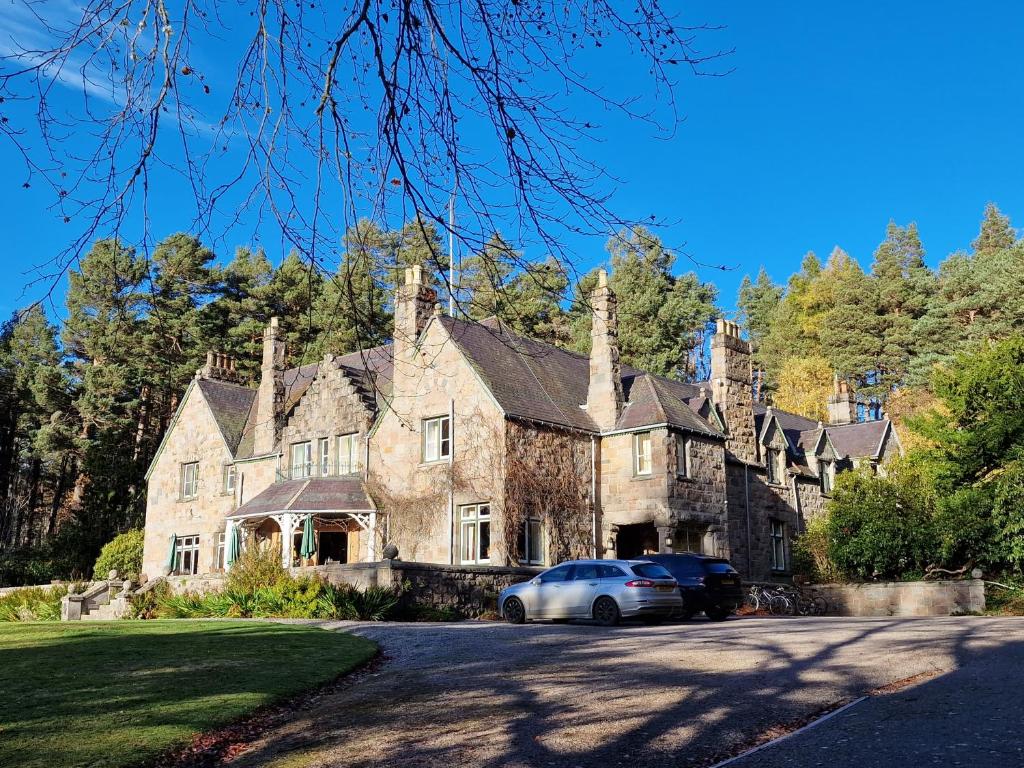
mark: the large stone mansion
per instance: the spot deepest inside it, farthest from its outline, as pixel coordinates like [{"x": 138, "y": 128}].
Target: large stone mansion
[{"x": 463, "y": 443}]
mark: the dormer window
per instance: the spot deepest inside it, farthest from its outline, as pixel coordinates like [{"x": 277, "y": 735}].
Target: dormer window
[
  {"x": 827, "y": 469},
  {"x": 772, "y": 463}
]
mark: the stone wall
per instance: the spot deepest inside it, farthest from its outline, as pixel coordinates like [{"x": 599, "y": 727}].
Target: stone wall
[
  {"x": 908, "y": 598},
  {"x": 466, "y": 589},
  {"x": 420, "y": 498},
  {"x": 548, "y": 474},
  {"x": 194, "y": 437},
  {"x": 753, "y": 503},
  {"x": 699, "y": 497}
]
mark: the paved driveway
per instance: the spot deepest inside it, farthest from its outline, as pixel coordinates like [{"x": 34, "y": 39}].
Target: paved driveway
[{"x": 482, "y": 694}]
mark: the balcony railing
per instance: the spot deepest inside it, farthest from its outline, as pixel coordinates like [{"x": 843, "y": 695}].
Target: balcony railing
[{"x": 317, "y": 469}]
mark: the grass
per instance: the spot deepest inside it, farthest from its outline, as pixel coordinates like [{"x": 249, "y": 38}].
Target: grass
[{"x": 122, "y": 693}]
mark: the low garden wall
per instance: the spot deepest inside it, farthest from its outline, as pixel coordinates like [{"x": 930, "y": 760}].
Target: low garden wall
[
  {"x": 904, "y": 598},
  {"x": 470, "y": 590}
]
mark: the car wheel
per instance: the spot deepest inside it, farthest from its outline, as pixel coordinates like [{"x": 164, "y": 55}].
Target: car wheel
[
  {"x": 717, "y": 613},
  {"x": 606, "y": 612},
  {"x": 514, "y": 611}
]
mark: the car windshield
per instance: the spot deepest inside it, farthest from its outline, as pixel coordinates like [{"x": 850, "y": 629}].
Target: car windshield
[{"x": 651, "y": 571}]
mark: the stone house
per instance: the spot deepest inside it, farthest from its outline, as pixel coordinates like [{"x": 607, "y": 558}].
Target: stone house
[{"x": 462, "y": 443}]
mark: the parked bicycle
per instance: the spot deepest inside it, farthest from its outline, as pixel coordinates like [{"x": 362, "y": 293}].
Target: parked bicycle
[{"x": 785, "y": 600}]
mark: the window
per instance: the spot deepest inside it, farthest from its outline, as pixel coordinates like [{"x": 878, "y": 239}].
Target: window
[
  {"x": 437, "y": 438},
  {"x": 347, "y": 456},
  {"x": 826, "y": 470},
  {"x": 642, "y": 453},
  {"x": 682, "y": 456},
  {"x": 324, "y": 453},
  {"x": 561, "y": 573},
  {"x": 610, "y": 572},
  {"x": 771, "y": 464},
  {"x": 186, "y": 555},
  {"x": 230, "y": 472},
  {"x": 221, "y": 565},
  {"x": 476, "y": 533},
  {"x": 190, "y": 480},
  {"x": 587, "y": 572},
  {"x": 651, "y": 571},
  {"x": 689, "y": 537},
  {"x": 531, "y": 542},
  {"x": 777, "y": 535},
  {"x": 302, "y": 460}
]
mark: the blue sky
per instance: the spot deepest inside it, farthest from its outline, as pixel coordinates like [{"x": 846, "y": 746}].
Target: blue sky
[{"x": 835, "y": 119}]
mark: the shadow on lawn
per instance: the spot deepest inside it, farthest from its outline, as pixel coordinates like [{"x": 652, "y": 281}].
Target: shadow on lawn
[
  {"x": 570, "y": 696},
  {"x": 116, "y": 694}
]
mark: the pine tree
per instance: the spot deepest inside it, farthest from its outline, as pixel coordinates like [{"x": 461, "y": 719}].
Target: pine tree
[
  {"x": 420, "y": 243},
  {"x": 996, "y": 234},
  {"x": 352, "y": 309},
  {"x": 757, "y": 304},
  {"x": 292, "y": 293}
]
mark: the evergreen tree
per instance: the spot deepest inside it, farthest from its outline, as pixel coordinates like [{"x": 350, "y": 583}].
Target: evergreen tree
[
  {"x": 757, "y": 304},
  {"x": 996, "y": 234},
  {"x": 292, "y": 294},
  {"x": 352, "y": 308},
  {"x": 419, "y": 242}
]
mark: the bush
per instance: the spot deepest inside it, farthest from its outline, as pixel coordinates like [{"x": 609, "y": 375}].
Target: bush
[
  {"x": 256, "y": 568},
  {"x": 26, "y": 566},
  {"x": 32, "y": 604},
  {"x": 122, "y": 554},
  {"x": 811, "y": 553},
  {"x": 880, "y": 527}
]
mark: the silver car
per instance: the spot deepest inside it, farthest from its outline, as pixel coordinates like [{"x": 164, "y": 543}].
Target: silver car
[{"x": 602, "y": 590}]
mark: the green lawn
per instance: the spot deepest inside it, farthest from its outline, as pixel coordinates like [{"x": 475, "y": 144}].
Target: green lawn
[{"x": 120, "y": 693}]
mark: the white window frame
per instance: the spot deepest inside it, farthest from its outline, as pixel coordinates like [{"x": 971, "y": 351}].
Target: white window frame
[
  {"x": 221, "y": 551},
  {"x": 323, "y": 450},
  {"x": 642, "y": 457},
  {"x": 777, "y": 539},
  {"x": 472, "y": 518},
  {"x": 683, "y": 457},
  {"x": 230, "y": 477},
  {"x": 348, "y": 455},
  {"x": 436, "y": 446},
  {"x": 189, "y": 480},
  {"x": 186, "y": 545},
  {"x": 303, "y": 468},
  {"x": 531, "y": 536}
]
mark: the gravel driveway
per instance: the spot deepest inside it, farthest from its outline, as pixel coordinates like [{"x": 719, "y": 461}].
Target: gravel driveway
[{"x": 484, "y": 694}]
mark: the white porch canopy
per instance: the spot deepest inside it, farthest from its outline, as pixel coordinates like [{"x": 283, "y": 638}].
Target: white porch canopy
[{"x": 289, "y": 503}]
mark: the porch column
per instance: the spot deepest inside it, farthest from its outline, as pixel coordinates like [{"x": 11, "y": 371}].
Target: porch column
[
  {"x": 665, "y": 538},
  {"x": 287, "y": 523},
  {"x": 229, "y": 539},
  {"x": 371, "y": 531}
]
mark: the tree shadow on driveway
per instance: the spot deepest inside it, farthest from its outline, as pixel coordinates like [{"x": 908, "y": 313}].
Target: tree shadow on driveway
[{"x": 554, "y": 695}]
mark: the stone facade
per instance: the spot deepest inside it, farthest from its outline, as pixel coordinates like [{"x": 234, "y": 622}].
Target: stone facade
[{"x": 479, "y": 441}]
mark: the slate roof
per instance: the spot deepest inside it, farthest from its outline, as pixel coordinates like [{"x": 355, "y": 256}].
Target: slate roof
[
  {"x": 539, "y": 382},
  {"x": 792, "y": 425},
  {"x": 858, "y": 440},
  {"x": 312, "y": 494},
  {"x": 230, "y": 405}
]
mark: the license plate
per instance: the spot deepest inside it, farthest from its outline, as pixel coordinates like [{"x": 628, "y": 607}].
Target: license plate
[
  {"x": 728, "y": 581},
  {"x": 664, "y": 588}
]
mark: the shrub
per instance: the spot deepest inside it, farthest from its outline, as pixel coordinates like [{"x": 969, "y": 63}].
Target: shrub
[
  {"x": 880, "y": 527},
  {"x": 256, "y": 568},
  {"x": 811, "y": 552},
  {"x": 32, "y": 604},
  {"x": 25, "y": 566},
  {"x": 122, "y": 554}
]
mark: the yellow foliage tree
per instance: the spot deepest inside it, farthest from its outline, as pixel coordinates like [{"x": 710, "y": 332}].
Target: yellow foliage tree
[{"x": 804, "y": 386}]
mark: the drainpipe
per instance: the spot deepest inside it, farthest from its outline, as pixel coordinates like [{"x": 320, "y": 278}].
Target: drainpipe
[
  {"x": 593, "y": 497},
  {"x": 746, "y": 502},
  {"x": 451, "y": 489}
]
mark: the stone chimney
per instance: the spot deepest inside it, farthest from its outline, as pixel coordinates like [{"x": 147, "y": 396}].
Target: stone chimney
[
  {"x": 842, "y": 403},
  {"x": 731, "y": 388},
  {"x": 219, "y": 366},
  {"x": 270, "y": 396},
  {"x": 604, "y": 394},
  {"x": 414, "y": 306}
]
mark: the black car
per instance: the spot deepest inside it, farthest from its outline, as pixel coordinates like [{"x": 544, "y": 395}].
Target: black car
[{"x": 707, "y": 583}]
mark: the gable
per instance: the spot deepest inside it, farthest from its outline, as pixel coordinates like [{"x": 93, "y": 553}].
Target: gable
[{"x": 193, "y": 431}]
